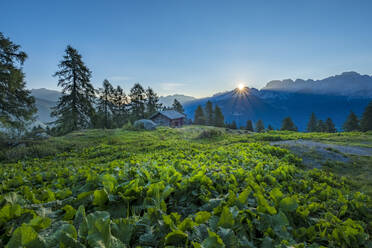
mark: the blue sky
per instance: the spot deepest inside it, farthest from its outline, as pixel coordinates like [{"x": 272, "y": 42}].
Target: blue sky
[{"x": 192, "y": 47}]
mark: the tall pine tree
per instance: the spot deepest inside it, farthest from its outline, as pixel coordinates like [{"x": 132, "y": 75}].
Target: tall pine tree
[
  {"x": 288, "y": 125},
  {"x": 330, "y": 126},
  {"x": 351, "y": 123},
  {"x": 312, "y": 125},
  {"x": 219, "y": 119},
  {"x": 119, "y": 107},
  {"x": 260, "y": 127},
  {"x": 74, "y": 109},
  {"x": 199, "y": 118},
  {"x": 17, "y": 106},
  {"x": 209, "y": 113},
  {"x": 177, "y": 106},
  {"x": 105, "y": 104},
  {"x": 152, "y": 102},
  {"x": 366, "y": 121},
  {"x": 249, "y": 126},
  {"x": 322, "y": 126},
  {"x": 137, "y": 102},
  {"x": 233, "y": 125}
]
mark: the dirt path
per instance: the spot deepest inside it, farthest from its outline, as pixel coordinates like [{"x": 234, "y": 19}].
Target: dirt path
[{"x": 314, "y": 153}]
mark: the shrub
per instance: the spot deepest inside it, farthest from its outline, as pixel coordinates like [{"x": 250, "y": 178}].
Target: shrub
[{"x": 210, "y": 133}]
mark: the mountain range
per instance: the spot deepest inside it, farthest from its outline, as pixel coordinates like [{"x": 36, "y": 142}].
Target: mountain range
[{"x": 332, "y": 97}]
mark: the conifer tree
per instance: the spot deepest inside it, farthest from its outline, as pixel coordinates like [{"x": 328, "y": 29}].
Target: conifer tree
[
  {"x": 312, "y": 125},
  {"x": 137, "y": 102},
  {"x": 233, "y": 125},
  {"x": 288, "y": 125},
  {"x": 199, "y": 118},
  {"x": 105, "y": 104},
  {"x": 366, "y": 121},
  {"x": 270, "y": 128},
  {"x": 260, "y": 127},
  {"x": 152, "y": 102},
  {"x": 351, "y": 123},
  {"x": 219, "y": 119},
  {"x": 249, "y": 126},
  {"x": 177, "y": 106},
  {"x": 330, "y": 126},
  {"x": 322, "y": 126},
  {"x": 208, "y": 113},
  {"x": 17, "y": 106},
  {"x": 74, "y": 109},
  {"x": 119, "y": 107}
]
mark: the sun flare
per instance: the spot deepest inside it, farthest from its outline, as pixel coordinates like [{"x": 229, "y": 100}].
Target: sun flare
[{"x": 241, "y": 86}]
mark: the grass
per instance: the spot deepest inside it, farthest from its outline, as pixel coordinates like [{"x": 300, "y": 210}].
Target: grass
[
  {"x": 359, "y": 170},
  {"x": 153, "y": 178}
]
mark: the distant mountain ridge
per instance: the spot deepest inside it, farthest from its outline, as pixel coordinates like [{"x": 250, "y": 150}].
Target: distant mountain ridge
[
  {"x": 331, "y": 97},
  {"x": 346, "y": 84},
  {"x": 168, "y": 100}
]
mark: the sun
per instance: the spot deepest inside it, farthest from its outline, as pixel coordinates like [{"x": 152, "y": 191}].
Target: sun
[{"x": 241, "y": 86}]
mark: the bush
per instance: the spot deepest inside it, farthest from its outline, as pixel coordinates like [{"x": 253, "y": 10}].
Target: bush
[
  {"x": 128, "y": 126},
  {"x": 210, "y": 133}
]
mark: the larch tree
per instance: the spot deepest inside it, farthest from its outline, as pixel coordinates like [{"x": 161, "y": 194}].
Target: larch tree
[
  {"x": 330, "y": 126},
  {"x": 137, "y": 102},
  {"x": 366, "y": 121},
  {"x": 322, "y": 126},
  {"x": 209, "y": 113},
  {"x": 260, "y": 127},
  {"x": 199, "y": 118},
  {"x": 74, "y": 109},
  {"x": 17, "y": 106},
  {"x": 177, "y": 106},
  {"x": 219, "y": 119},
  {"x": 105, "y": 104},
  {"x": 119, "y": 107},
  {"x": 312, "y": 125},
  {"x": 152, "y": 102},
  {"x": 288, "y": 125},
  {"x": 233, "y": 125},
  {"x": 249, "y": 126},
  {"x": 351, "y": 123}
]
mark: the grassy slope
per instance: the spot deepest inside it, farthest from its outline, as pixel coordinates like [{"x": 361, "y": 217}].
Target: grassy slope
[{"x": 101, "y": 147}]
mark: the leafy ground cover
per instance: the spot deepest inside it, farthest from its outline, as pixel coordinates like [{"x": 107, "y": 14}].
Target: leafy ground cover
[{"x": 175, "y": 188}]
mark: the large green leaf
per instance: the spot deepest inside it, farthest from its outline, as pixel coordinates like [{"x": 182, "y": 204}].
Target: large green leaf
[
  {"x": 288, "y": 204},
  {"x": 226, "y": 219},
  {"x": 176, "y": 237},
  {"x": 100, "y": 197},
  {"x": 25, "y": 236}
]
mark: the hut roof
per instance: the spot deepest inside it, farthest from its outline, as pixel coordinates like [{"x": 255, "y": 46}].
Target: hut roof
[{"x": 170, "y": 114}]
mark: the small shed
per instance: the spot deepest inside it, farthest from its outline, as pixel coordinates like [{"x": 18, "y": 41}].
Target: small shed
[{"x": 170, "y": 118}]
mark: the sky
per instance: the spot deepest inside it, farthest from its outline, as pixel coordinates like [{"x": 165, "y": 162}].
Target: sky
[{"x": 192, "y": 47}]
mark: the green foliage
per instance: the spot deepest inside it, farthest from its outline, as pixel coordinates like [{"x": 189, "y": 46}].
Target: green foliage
[
  {"x": 209, "y": 114},
  {"x": 312, "y": 125},
  {"x": 260, "y": 127},
  {"x": 177, "y": 106},
  {"x": 288, "y": 125},
  {"x": 164, "y": 188},
  {"x": 249, "y": 126},
  {"x": 209, "y": 133},
  {"x": 74, "y": 109},
  {"x": 17, "y": 106},
  {"x": 351, "y": 123},
  {"x": 219, "y": 119},
  {"x": 366, "y": 121},
  {"x": 199, "y": 117}
]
